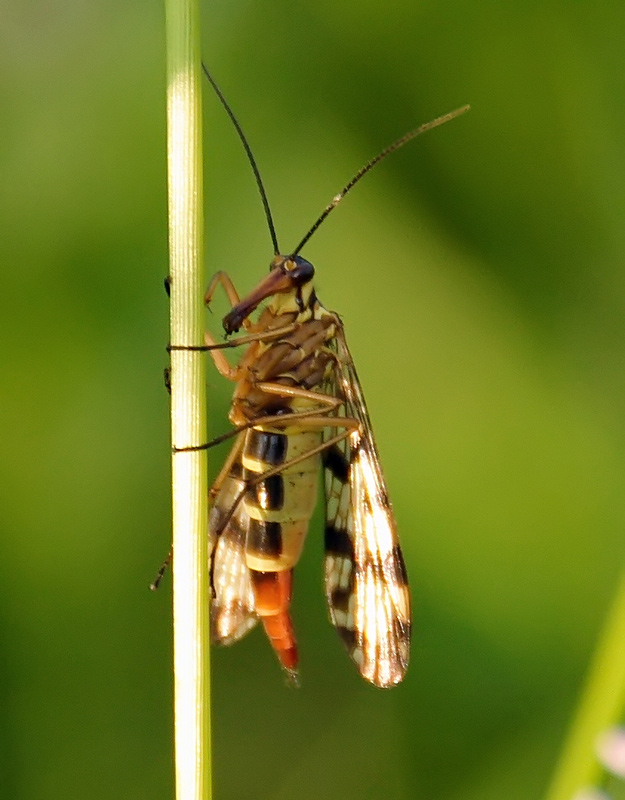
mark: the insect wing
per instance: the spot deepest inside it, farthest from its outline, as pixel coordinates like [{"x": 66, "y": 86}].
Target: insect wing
[
  {"x": 365, "y": 576},
  {"x": 232, "y": 605}
]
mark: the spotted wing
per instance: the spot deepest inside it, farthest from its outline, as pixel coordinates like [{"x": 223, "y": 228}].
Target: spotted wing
[
  {"x": 365, "y": 577},
  {"x": 232, "y": 604}
]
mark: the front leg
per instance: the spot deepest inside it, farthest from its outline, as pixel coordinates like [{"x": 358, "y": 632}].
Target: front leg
[{"x": 221, "y": 278}]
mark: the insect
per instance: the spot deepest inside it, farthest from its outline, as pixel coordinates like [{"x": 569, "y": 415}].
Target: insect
[{"x": 297, "y": 406}]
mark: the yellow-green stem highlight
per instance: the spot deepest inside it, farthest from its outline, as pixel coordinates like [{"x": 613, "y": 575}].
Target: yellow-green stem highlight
[
  {"x": 600, "y": 707},
  {"x": 188, "y": 404}
]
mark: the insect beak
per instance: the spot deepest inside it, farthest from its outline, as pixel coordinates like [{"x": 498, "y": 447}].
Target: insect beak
[{"x": 278, "y": 280}]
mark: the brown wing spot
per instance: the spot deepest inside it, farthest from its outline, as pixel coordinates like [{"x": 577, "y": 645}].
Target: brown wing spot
[
  {"x": 334, "y": 460},
  {"x": 404, "y": 631},
  {"x": 398, "y": 560},
  {"x": 236, "y": 470},
  {"x": 340, "y": 598},
  {"x": 338, "y": 542},
  {"x": 348, "y": 637},
  {"x": 383, "y": 498}
]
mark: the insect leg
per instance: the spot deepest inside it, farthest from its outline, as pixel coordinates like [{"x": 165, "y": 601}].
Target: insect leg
[
  {"x": 221, "y": 362},
  {"x": 226, "y": 558},
  {"x": 324, "y": 400},
  {"x": 214, "y": 348},
  {"x": 223, "y": 472},
  {"x": 214, "y": 490},
  {"x": 263, "y": 421},
  {"x": 221, "y": 278},
  {"x": 265, "y": 336},
  {"x": 161, "y": 571}
]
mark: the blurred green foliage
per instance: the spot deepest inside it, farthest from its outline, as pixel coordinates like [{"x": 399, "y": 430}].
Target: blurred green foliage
[{"x": 479, "y": 272}]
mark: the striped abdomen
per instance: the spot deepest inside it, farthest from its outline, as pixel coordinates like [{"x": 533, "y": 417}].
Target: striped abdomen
[{"x": 279, "y": 509}]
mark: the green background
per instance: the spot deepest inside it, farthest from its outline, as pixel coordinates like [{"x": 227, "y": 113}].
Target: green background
[{"x": 479, "y": 273}]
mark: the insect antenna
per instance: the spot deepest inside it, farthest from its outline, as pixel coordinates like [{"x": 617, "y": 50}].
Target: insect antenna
[
  {"x": 250, "y": 157},
  {"x": 435, "y": 123}
]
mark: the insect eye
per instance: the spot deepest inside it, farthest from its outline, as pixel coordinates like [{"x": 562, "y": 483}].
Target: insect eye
[{"x": 300, "y": 270}]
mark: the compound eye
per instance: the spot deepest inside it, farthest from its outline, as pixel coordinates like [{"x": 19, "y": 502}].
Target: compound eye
[{"x": 300, "y": 270}]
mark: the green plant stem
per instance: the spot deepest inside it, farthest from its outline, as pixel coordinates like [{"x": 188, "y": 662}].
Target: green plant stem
[
  {"x": 188, "y": 404},
  {"x": 600, "y": 707}
]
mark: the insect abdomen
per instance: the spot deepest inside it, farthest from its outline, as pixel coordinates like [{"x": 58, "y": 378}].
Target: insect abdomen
[{"x": 279, "y": 510}]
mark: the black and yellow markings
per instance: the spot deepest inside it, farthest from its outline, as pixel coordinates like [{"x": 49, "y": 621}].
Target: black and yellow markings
[
  {"x": 265, "y": 539},
  {"x": 279, "y": 506},
  {"x": 266, "y": 448}
]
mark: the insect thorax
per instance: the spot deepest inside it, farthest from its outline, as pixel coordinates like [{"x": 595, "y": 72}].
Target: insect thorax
[{"x": 300, "y": 358}]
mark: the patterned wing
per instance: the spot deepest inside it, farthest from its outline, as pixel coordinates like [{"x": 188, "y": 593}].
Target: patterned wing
[
  {"x": 365, "y": 577},
  {"x": 232, "y": 604}
]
